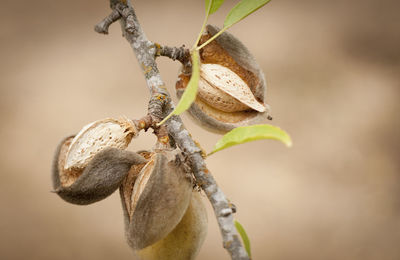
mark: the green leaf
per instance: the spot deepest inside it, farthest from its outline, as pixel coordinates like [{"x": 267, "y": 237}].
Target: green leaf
[
  {"x": 243, "y": 9},
  {"x": 190, "y": 91},
  {"x": 246, "y": 134},
  {"x": 245, "y": 238},
  {"x": 215, "y": 4}
]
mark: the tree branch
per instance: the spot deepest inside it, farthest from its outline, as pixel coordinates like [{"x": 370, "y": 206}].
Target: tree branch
[
  {"x": 160, "y": 105},
  {"x": 181, "y": 54}
]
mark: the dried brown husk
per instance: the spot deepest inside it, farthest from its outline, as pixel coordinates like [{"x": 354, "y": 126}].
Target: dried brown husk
[
  {"x": 228, "y": 51},
  {"x": 185, "y": 241},
  {"x": 155, "y": 199},
  {"x": 100, "y": 178}
]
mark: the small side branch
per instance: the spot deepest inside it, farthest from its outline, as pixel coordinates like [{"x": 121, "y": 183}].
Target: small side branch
[
  {"x": 160, "y": 104},
  {"x": 118, "y": 10},
  {"x": 102, "y": 27},
  {"x": 181, "y": 54}
]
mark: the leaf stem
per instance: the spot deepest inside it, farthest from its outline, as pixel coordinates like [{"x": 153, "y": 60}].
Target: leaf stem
[
  {"x": 203, "y": 26},
  {"x": 212, "y": 38}
]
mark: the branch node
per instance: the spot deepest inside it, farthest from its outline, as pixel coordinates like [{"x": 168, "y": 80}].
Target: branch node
[
  {"x": 226, "y": 212},
  {"x": 233, "y": 207},
  {"x": 157, "y": 106},
  {"x": 144, "y": 123},
  {"x": 128, "y": 15},
  {"x": 227, "y": 244}
]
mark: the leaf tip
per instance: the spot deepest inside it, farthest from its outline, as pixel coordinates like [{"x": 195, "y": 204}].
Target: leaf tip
[{"x": 289, "y": 142}]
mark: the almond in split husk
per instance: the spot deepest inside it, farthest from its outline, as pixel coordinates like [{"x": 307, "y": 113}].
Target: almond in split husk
[
  {"x": 232, "y": 86},
  {"x": 154, "y": 199},
  {"x": 98, "y": 167}
]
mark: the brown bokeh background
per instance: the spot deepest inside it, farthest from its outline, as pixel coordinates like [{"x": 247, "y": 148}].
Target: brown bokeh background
[{"x": 333, "y": 74}]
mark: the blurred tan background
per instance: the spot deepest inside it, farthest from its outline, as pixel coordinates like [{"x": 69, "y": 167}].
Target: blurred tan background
[{"x": 334, "y": 85}]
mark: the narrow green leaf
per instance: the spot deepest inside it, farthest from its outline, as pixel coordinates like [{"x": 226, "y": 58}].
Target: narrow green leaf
[
  {"x": 215, "y": 4},
  {"x": 246, "y": 134},
  {"x": 190, "y": 91},
  {"x": 243, "y": 9},
  {"x": 245, "y": 238}
]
